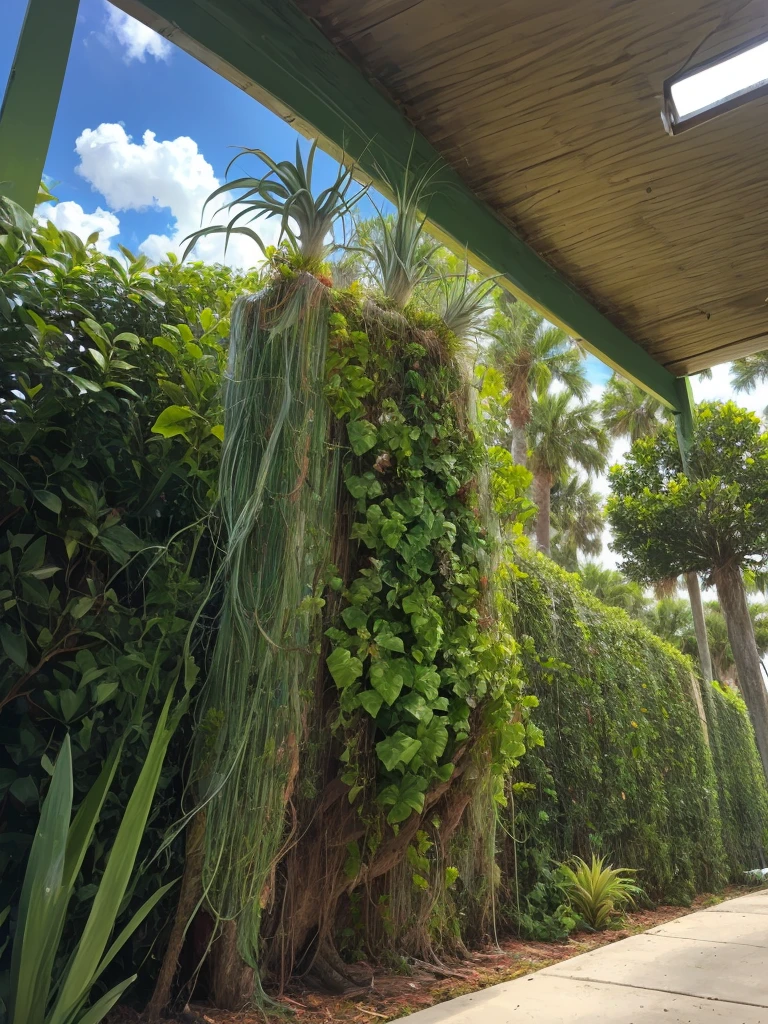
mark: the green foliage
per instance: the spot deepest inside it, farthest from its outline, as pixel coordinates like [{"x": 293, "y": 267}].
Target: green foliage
[
  {"x": 742, "y": 788},
  {"x": 55, "y": 859},
  {"x": 625, "y": 771},
  {"x": 628, "y": 411},
  {"x": 107, "y": 550},
  {"x": 423, "y": 653},
  {"x": 665, "y": 523},
  {"x": 530, "y": 353},
  {"x": 596, "y": 892},
  {"x": 616, "y": 591}
]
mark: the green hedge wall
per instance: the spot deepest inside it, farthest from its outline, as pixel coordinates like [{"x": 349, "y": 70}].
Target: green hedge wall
[
  {"x": 625, "y": 769},
  {"x": 741, "y": 784}
]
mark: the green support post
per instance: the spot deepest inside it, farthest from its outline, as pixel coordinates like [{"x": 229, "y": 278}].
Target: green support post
[
  {"x": 32, "y": 96},
  {"x": 684, "y": 417}
]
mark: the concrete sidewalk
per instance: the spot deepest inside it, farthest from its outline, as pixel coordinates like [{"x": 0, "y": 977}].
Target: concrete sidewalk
[{"x": 711, "y": 966}]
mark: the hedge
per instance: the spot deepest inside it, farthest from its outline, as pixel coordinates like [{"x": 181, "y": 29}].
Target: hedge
[{"x": 626, "y": 770}]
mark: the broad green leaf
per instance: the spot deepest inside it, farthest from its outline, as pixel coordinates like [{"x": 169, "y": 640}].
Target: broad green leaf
[
  {"x": 14, "y": 645},
  {"x": 404, "y": 798},
  {"x": 354, "y": 617},
  {"x": 387, "y": 679},
  {"x": 82, "y": 606},
  {"x": 344, "y": 667},
  {"x": 371, "y": 701},
  {"x": 51, "y": 501},
  {"x": 434, "y": 738},
  {"x": 392, "y": 530},
  {"x": 399, "y": 748},
  {"x": 362, "y": 436},
  {"x": 174, "y": 420}
]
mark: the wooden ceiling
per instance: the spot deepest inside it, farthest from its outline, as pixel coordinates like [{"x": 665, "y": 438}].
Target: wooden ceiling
[{"x": 550, "y": 112}]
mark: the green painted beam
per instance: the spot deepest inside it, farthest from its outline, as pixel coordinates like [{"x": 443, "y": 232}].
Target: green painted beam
[
  {"x": 270, "y": 49},
  {"x": 32, "y": 96},
  {"x": 684, "y": 418}
]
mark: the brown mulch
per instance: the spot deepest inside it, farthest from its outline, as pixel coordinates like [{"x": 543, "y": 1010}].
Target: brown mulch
[{"x": 389, "y": 995}]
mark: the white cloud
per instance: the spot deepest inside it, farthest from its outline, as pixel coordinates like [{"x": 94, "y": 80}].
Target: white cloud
[
  {"x": 70, "y": 216},
  {"x": 172, "y": 174},
  {"x": 136, "y": 38}
]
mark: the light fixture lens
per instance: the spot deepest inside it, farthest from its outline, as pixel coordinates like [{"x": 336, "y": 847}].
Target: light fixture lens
[{"x": 720, "y": 82}]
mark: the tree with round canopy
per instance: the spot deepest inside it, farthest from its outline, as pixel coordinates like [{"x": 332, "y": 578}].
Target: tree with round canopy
[{"x": 711, "y": 520}]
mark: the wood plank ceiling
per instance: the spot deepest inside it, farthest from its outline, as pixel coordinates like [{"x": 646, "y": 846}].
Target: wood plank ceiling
[{"x": 549, "y": 110}]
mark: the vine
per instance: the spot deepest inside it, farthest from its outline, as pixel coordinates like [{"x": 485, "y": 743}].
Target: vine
[{"x": 420, "y": 649}]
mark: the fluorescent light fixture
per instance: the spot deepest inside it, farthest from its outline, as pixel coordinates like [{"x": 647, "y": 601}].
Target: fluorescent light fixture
[{"x": 723, "y": 83}]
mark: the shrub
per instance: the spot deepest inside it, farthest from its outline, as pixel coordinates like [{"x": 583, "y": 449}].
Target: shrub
[{"x": 597, "y": 892}]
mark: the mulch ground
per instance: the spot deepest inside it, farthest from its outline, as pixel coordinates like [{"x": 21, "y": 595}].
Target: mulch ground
[{"x": 390, "y": 995}]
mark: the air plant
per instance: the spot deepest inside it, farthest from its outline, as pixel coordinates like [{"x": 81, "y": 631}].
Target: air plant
[
  {"x": 400, "y": 253},
  {"x": 463, "y": 303},
  {"x": 285, "y": 191}
]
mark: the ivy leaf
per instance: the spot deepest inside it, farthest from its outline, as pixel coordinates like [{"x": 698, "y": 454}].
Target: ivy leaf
[
  {"x": 362, "y": 436},
  {"x": 392, "y": 530},
  {"x": 399, "y": 748},
  {"x": 389, "y": 642},
  {"x": 344, "y": 667},
  {"x": 404, "y": 798},
  {"x": 371, "y": 701},
  {"x": 415, "y": 705},
  {"x": 434, "y": 738},
  {"x": 354, "y": 617},
  {"x": 387, "y": 679}
]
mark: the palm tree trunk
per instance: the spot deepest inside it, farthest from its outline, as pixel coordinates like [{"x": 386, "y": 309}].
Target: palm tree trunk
[
  {"x": 733, "y": 601},
  {"x": 519, "y": 446},
  {"x": 699, "y": 624},
  {"x": 542, "y": 490}
]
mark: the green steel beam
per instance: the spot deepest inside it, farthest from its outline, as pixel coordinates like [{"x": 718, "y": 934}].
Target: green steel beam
[
  {"x": 273, "y": 51},
  {"x": 684, "y": 417},
  {"x": 32, "y": 96}
]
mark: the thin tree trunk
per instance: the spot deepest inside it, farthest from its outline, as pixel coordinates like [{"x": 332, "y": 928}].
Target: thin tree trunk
[
  {"x": 542, "y": 492},
  {"x": 519, "y": 446},
  {"x": 699, "y": 624},
  {"x": 189, "y": 896},
  {"x": 733, "y": 601}
]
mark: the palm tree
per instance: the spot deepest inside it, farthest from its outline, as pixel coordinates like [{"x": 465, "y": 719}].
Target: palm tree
[
  {"x": 530, "y": 353},
  {"x": 628, "y": 411},
  {"x": 561, "y": 435},
  {"x": 750, "y": 371},
  {"x": 613, "y": 588},
  {"x": 577, "y": 519}
]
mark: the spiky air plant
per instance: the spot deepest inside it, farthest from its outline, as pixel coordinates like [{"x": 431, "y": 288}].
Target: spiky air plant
[
  {"x": 400, "y": 252},
  {"x": 277, "y": 484},
  {"x": 306, "y": 220},
  {"x": 463, "y": 303}
]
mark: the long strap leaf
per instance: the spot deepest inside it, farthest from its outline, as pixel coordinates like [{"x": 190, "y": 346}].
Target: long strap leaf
[
  {"x": 115, "y": 879},
  {"x": 43, "y": 900}
]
